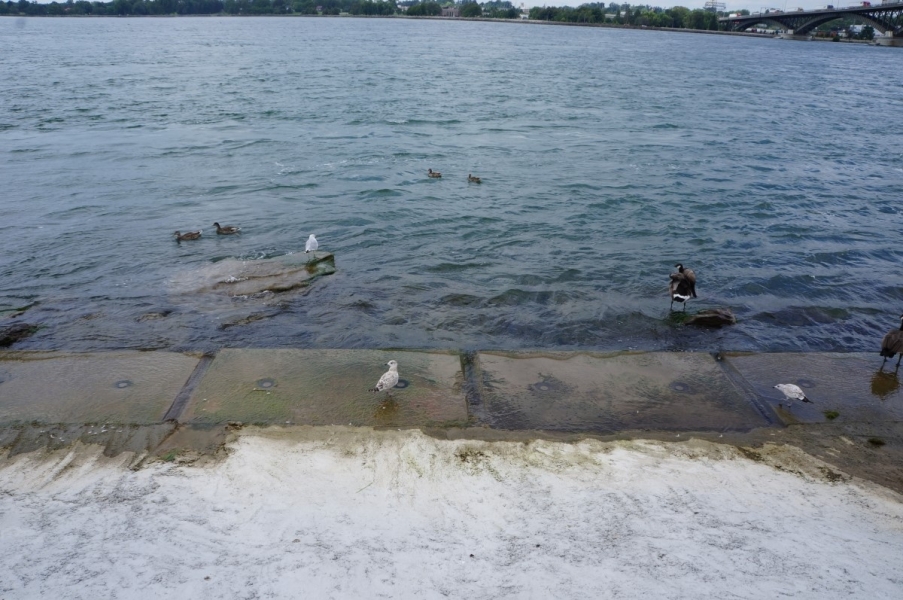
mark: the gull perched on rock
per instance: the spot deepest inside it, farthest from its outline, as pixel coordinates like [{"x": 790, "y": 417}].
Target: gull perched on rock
[
  {"x": 792, "y": 392},
  {"x": 389, "y": 379},
  {"x": 311, "y": 245}
]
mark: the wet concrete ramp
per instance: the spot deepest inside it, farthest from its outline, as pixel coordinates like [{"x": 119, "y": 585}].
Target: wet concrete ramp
[
  {"x": 851, "y": 385},
  {"x": 559, "y": 391},
  {"x": 110, "y": 387},
  {"x": 329, "y": 387}
]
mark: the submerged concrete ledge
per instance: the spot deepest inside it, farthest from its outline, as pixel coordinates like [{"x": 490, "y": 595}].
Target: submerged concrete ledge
[
  {"x": 538, "y": 391},
  {"x": 169, "y": 406}
]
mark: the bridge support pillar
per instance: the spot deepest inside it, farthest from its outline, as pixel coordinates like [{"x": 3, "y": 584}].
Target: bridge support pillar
[{"x": 889, "y": 40}]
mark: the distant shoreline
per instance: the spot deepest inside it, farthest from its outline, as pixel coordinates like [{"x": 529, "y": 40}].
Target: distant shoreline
[{"x": 450, "y": 19}]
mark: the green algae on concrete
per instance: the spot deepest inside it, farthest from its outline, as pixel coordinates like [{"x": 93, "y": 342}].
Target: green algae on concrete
[
  {"x": 110, "y": 387},
  {"x": 566, "y": 391},
  {"x": 328, "y": 387},
  {"x": 851, "y": 385}
]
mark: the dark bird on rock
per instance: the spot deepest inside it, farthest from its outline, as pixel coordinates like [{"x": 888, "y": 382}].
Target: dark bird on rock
[
  {"x": 682, "y": 286},
  {"x": 227, "y": 230},
  {"x": 188, "y": 235},
  {"x": 893, "y": 344}
]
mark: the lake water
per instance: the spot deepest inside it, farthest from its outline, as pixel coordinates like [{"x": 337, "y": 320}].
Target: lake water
[{"x": 772, "y": 168}]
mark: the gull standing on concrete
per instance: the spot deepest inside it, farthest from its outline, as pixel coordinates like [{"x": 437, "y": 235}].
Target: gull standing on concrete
[
  {"x": 792, "y": 392},
  {"x": 311, "y": 245},
  {"x": 892, "y": 344},
  {"x": 389, "y": 379}
]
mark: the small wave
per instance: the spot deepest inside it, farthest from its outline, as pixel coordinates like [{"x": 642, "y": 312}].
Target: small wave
[{"x": 454, "y": 267}]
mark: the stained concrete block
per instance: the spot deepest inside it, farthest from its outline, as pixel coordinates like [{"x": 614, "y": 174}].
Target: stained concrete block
[
  {"x": 562, "y": 391},
  {"x": 328, "y": 387},
  {"x": 851, "y": 384},
  {"x": 109, "y": 387}
]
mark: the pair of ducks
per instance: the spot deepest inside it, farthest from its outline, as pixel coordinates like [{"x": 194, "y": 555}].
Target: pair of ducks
[
  {"x": 193, "y": 235},
  {"x": 438, "y": 175}
]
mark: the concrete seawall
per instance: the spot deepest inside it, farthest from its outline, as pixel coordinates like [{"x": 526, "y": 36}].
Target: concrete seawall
[{"x": 158, "y": 403}]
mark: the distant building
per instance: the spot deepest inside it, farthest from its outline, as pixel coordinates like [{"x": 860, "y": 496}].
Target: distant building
[{"x": 451, "y": 11}]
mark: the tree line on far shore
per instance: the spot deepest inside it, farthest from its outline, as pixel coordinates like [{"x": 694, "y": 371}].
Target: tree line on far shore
[
  {"x": 626, "y": 14},
  {"x": 596, "y": 12}
]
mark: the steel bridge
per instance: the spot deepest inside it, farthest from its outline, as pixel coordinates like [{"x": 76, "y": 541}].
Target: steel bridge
[{"x": 885, "y": 18}]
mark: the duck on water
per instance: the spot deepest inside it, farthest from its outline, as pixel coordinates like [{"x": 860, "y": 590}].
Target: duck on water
[{"x": 227, "y": 230}]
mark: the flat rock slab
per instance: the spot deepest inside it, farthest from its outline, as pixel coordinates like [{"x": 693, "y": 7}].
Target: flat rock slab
[
  {"x": 849, "y": 384},
  {"x": 110, "y": 387},
  {"x": 608, "y": 393},
  {"x": 232, "y": 277},
  {"x": 329, "y": 387}
]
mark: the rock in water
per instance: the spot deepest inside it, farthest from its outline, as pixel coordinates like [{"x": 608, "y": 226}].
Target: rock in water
[
  {"x": 712, "y": 317},
  {"x": 13, "y": 333}
]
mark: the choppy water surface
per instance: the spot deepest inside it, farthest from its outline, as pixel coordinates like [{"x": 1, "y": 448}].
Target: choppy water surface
[{"x": 772, "y": 168}]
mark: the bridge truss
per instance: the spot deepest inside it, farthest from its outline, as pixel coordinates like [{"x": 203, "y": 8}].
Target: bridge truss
[{"x": 884, "y": 18}]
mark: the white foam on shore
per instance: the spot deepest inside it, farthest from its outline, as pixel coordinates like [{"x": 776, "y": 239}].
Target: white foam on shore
[{"x": 341, "y": 513}]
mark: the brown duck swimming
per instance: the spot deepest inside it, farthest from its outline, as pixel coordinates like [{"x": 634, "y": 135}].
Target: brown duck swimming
[
  {"x": 227, "y": 230},
  {"x": 188, "y": 235},
  {"x": 433, "y": 174},
  {"x": 472, "y": 179}
]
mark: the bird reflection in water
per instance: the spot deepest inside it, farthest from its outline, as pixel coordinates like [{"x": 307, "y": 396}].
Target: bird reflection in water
[
  {"x": 884, "y": 384},
  {"x": 387, "y": 410}
]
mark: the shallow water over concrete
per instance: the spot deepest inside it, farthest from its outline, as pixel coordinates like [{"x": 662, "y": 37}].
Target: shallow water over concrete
[
  {"x": 112, "y": 387},
  {"x": 329, "y": 387},
  {"x": 611, "y": 392},
  {"x": 852, "y": 385}
]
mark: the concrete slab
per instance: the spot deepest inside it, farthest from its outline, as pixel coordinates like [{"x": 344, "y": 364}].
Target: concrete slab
[
  {"x": 561, "y": 391},
  {"x": 111, "y": 387},
  {"x": 850, "y": 384},
  {"x": 328, "y": 387}
]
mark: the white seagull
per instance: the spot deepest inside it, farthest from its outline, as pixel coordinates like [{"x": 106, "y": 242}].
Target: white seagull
[
  {"x": 792, "y": 392},
  {"x": 311, "y": 245},
  {"x": 389, "y": 379}
]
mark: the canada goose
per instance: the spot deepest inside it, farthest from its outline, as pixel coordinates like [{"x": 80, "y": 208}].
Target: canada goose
[
  {"x": 389, "y": 379},
  {"x": 227, "y": 230},
  {"x": 893, "y": 344},
  {"x": 433, "y": 174},
  {"x": 311, "y": 245},
  {"x": 682, "y": 286},
  {"x": 690, "y": 275},
  {"x": 792, "y": 392},
  {"x": 188, "y": 235},
  {"x": 472, "y": 179}
]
